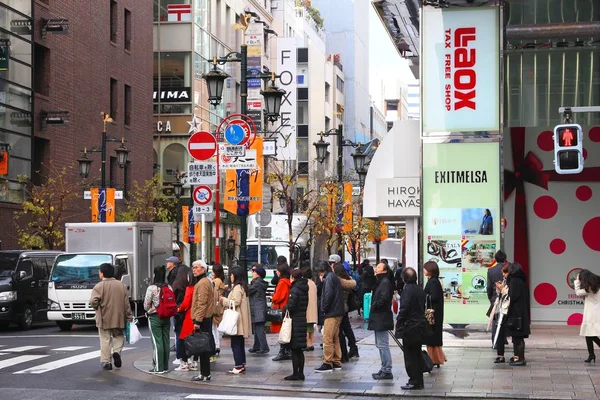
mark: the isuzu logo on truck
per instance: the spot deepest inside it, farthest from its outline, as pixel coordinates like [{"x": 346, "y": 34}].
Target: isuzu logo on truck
[{"x": 459, "y": 69}]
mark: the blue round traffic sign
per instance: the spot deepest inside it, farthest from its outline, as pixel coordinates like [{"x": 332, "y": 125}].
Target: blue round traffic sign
[{"x": 234, "y": 134}]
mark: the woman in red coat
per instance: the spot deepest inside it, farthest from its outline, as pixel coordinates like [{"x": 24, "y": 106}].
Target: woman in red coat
[
  {"x": 279, "y": 301},
  {"x": 187, "y": 327}
]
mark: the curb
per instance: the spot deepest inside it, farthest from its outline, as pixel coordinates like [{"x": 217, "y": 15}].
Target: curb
[{"x": 465, "y": 394}]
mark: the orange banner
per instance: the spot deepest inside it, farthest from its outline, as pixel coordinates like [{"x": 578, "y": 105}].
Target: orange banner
[
  {"x": 103, "y": 205},
  {"x": 3, "y": 162},
  {"x": 256, "y": 179},
  {"x": 348, "y": 222},
  {"x": 197, "y": 235}
]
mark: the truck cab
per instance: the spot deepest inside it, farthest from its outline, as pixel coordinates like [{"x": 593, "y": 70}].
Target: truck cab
[
  {"x": 72, "y": 278},
  {"x": 23, "y": 286}
]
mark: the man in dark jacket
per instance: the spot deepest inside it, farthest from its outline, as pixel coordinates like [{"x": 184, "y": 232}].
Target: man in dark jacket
[
  {"x": 412, "y": 325},
  {"x": 332, "y": 307},
  {"x": 382, "y": 320},
  {"x": 257, "y": 291},
  {"x": 494, "y": 275},
  {"x": 177, "y": 278}
]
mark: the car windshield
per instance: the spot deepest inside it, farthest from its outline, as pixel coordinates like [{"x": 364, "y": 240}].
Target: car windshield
[
  {"x": 78, "y": 268},
  {"x": 8, "y": 263},
  {"x": 268, "y": 254}
]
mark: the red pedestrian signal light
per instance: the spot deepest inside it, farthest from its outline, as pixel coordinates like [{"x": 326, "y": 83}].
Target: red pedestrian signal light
[{"x": 568, "y": 150}]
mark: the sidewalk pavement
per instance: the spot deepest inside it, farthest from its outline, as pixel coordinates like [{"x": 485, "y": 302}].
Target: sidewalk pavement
[{"x": 555, "y": 369}]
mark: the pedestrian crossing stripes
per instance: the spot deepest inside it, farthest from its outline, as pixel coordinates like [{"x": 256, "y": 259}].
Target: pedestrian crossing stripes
[
  {"x": 18, "y": 360},
  {"x": 230, "y": 397}
]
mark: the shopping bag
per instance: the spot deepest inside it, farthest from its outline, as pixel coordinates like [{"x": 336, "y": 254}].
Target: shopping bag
[
  {"x": 367, "y": 305},
  {"x": 228, "y": 325},
  {"x": 285, "y": 333},
  {"x": 132, "y": 333},
  {"x": 199, "y": 343}
]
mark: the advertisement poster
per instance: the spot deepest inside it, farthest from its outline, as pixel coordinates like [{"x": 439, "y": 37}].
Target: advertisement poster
[
  {"x": 461, "y": 223},
  {"x": 461, "y": 76}
]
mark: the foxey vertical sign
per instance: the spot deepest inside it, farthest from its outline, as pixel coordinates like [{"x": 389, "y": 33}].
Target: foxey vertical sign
[
  {"x": 461, "y": 76},
  {"x": 285, "y": 127}
]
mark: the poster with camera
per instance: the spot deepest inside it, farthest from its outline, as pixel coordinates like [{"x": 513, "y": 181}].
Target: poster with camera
[{"x": 461, "y": 203}]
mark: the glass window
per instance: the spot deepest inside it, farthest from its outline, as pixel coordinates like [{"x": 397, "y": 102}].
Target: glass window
[
  {"x": 161, "y": 9},
  {"x": 302, "y": 144},
  {"x": 25, "y": 266},
  {"x": 128, "y": 37},
  {"x": 40, "y": 269},
  {"x": 21, "y": 6},
  {"x": 174, "y": 70},
  {"x": 174, "y": 159},
  {"x": 201, "y": 15},
  {"x": 20, "y": 146},
  {"x": 302, "y": 117},
  {"x": 173, "y": 109},
  {"x": 14, "y": 96}
]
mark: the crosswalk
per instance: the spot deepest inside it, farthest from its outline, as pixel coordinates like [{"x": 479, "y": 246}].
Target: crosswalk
[{"x": 43, "y": 359}]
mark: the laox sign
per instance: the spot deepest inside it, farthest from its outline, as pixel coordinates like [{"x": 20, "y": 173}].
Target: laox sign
[{"x": 459, "y": 68}]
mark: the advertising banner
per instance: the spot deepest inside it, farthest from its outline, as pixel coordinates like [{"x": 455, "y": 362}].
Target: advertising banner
[
  {"x": 103, "y": 204},
  {"x": 461, "y": 223},
  {"x": 190, "y": 235},
  {"x": 461, "y": 76},
  {"x": 243, "y": 191},
  {"x": 286, "y": 124}
]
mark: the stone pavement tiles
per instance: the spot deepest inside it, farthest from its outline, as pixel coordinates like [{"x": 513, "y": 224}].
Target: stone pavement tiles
[{"x": 469, "y": 373}]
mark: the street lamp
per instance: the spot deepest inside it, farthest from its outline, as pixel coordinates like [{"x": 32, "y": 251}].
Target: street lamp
[
  {"x": 215, "y": 81},
  {"x": 273, "y": 96},
  {"x": 321, "y": 147},
  {"x": 122, "y": 152}
]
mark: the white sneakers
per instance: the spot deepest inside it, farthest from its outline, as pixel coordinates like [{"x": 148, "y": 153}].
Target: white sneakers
[
  {"x": 183, "y": 367},
  {"x": 177, "y": 361}
]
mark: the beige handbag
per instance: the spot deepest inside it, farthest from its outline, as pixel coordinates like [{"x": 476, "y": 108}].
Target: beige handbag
[{"x": 285, "y": 333}]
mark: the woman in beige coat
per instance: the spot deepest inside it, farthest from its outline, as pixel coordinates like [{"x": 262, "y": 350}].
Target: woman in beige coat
[
  {"x": 587, "y": 285},
  {"x": 238, "y": 298},
  {"x": 312, "y": 312},
  {"x": 218, "y": 279}
]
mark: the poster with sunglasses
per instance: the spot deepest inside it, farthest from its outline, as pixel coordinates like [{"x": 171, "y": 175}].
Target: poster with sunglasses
[{"x": 446, "y": 253}]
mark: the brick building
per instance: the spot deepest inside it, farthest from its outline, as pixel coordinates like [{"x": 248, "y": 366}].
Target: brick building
[{"x": 67, "y": 61}]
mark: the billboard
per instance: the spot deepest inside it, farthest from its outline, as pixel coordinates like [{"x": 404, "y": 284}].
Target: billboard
[
  {"x": 461, "y": 69},
  {"x": 286, "y": 124},
  {"x": 461, "y": 223}
]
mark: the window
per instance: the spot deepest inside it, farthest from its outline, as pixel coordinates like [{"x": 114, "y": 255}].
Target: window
[
  {"x": 340, "y": 84},
  {"x": 40, "y": 269},
  {"x": 127, "y": 105},
  {"x": 302, "y": 93},
  {"x": 173, "y": 69},
  {"x": 25, "y": 266},
  {"x": 302, "y": 116},
  {"x": 391, "y": 105},
  {"x": 114, "y": 96},
  {"x": 302, "y": 55},
  {"x": 114, "y": 21},
  {"x": 327, "y": 88},
  {"x": 127, "y": 29},
  {"x": 41, "y": 80},
  {"x": 120, "y": 268}
]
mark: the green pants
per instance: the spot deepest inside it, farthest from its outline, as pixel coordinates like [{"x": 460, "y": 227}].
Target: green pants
[{"x": 161, "y": 343}]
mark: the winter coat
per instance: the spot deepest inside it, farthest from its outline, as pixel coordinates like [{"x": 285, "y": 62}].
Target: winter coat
[
  {"x": 297, "y": 304},
  {"x": 177, "y": 279},
  {"x": 219, "y": 288},
  {"x": 332, "y": 297},
  {"x": 518, "y": 292},
  {"x": 434, "y": 290},
  {"x": 280, "y": 299},
  {"x": 381, "y": 317},
  {"x": 348, "y": 285},
  {"x": 411, "y": 316},
  {"x": 238, "y": 298},
  {"x": 367, "y": 280},
  {"x": 203, "y": 300},
  {"x": 187, "y": 328},
  {"x": 312, "y": 311},
  {"x": 591, "y": 311},
  {"x": 111, "y": 301},
  {"x": 487, "y": 226},
  {"x": 494, "y": 275},
  {"x": 257, "y": 291}
]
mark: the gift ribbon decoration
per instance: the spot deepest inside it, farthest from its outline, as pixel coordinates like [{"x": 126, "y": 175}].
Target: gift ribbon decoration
[{"x": 529, "y": 168}]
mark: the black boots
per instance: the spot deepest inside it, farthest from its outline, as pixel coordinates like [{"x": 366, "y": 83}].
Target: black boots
[
  {"x": 591, "y": 358},
  {"x": 283, "y": 355}
]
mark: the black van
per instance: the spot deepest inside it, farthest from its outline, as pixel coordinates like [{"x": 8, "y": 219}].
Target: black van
[{"x": 24, "y": 286}]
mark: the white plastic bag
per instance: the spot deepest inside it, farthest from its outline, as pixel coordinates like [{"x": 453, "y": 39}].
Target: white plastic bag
[
  {"x": 228, "y": 325},
  {"x": 285, "y": 333},
  {"x": 134, "y": 334}
]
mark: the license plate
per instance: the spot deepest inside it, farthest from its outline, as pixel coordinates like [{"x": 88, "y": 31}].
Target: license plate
[{"x": 79, "y": 316}]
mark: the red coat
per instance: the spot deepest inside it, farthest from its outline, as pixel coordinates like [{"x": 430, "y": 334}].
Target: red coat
[
  {"x": 280, "y": 299},
  {"x": 186, "y": 306}
]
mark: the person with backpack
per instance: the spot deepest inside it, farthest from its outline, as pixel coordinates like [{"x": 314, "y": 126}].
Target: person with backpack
[{"x": 160, "y": 305}]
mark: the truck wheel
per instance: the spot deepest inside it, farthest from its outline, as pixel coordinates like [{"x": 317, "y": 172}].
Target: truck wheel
[
  {"x": 64, "y": 326},
  {"x": 27, "y": 318}
]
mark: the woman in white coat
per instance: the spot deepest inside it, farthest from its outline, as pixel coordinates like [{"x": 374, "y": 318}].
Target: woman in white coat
[{"x": 587, "y": 285}]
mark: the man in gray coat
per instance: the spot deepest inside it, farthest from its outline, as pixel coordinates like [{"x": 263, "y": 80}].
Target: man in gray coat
[
  {"x": 111, "y": 302},
  {"x": 332, "y": 308}
]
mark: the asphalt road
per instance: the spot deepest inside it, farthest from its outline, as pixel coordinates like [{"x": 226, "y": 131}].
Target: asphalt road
[{"x": 45, "y": 363}]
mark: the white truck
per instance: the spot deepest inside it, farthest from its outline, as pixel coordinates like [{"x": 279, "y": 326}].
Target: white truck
[{"x": 134, "y": 248}]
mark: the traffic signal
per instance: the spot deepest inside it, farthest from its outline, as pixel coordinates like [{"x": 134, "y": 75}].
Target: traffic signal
[{"x": 568, "y": 149}]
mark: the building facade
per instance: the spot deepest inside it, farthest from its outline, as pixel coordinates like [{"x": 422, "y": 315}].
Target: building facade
[{"x": 61, "y": 72}]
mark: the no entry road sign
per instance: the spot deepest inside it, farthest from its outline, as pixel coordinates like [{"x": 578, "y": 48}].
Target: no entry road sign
[
  {"x": 202, "y": 195},
  {"x": 202, "y": 145}
]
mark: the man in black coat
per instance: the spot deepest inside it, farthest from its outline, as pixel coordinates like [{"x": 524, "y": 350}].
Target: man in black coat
[
  {"x": 494, "y": 275},
  {"x": 382, "y": 320},
  {"x": 332, "y": 307},
  {"x": 411, "y": 327}
]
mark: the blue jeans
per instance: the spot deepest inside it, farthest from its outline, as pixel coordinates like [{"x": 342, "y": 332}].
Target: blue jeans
[{"x": 382, "y": 342}]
